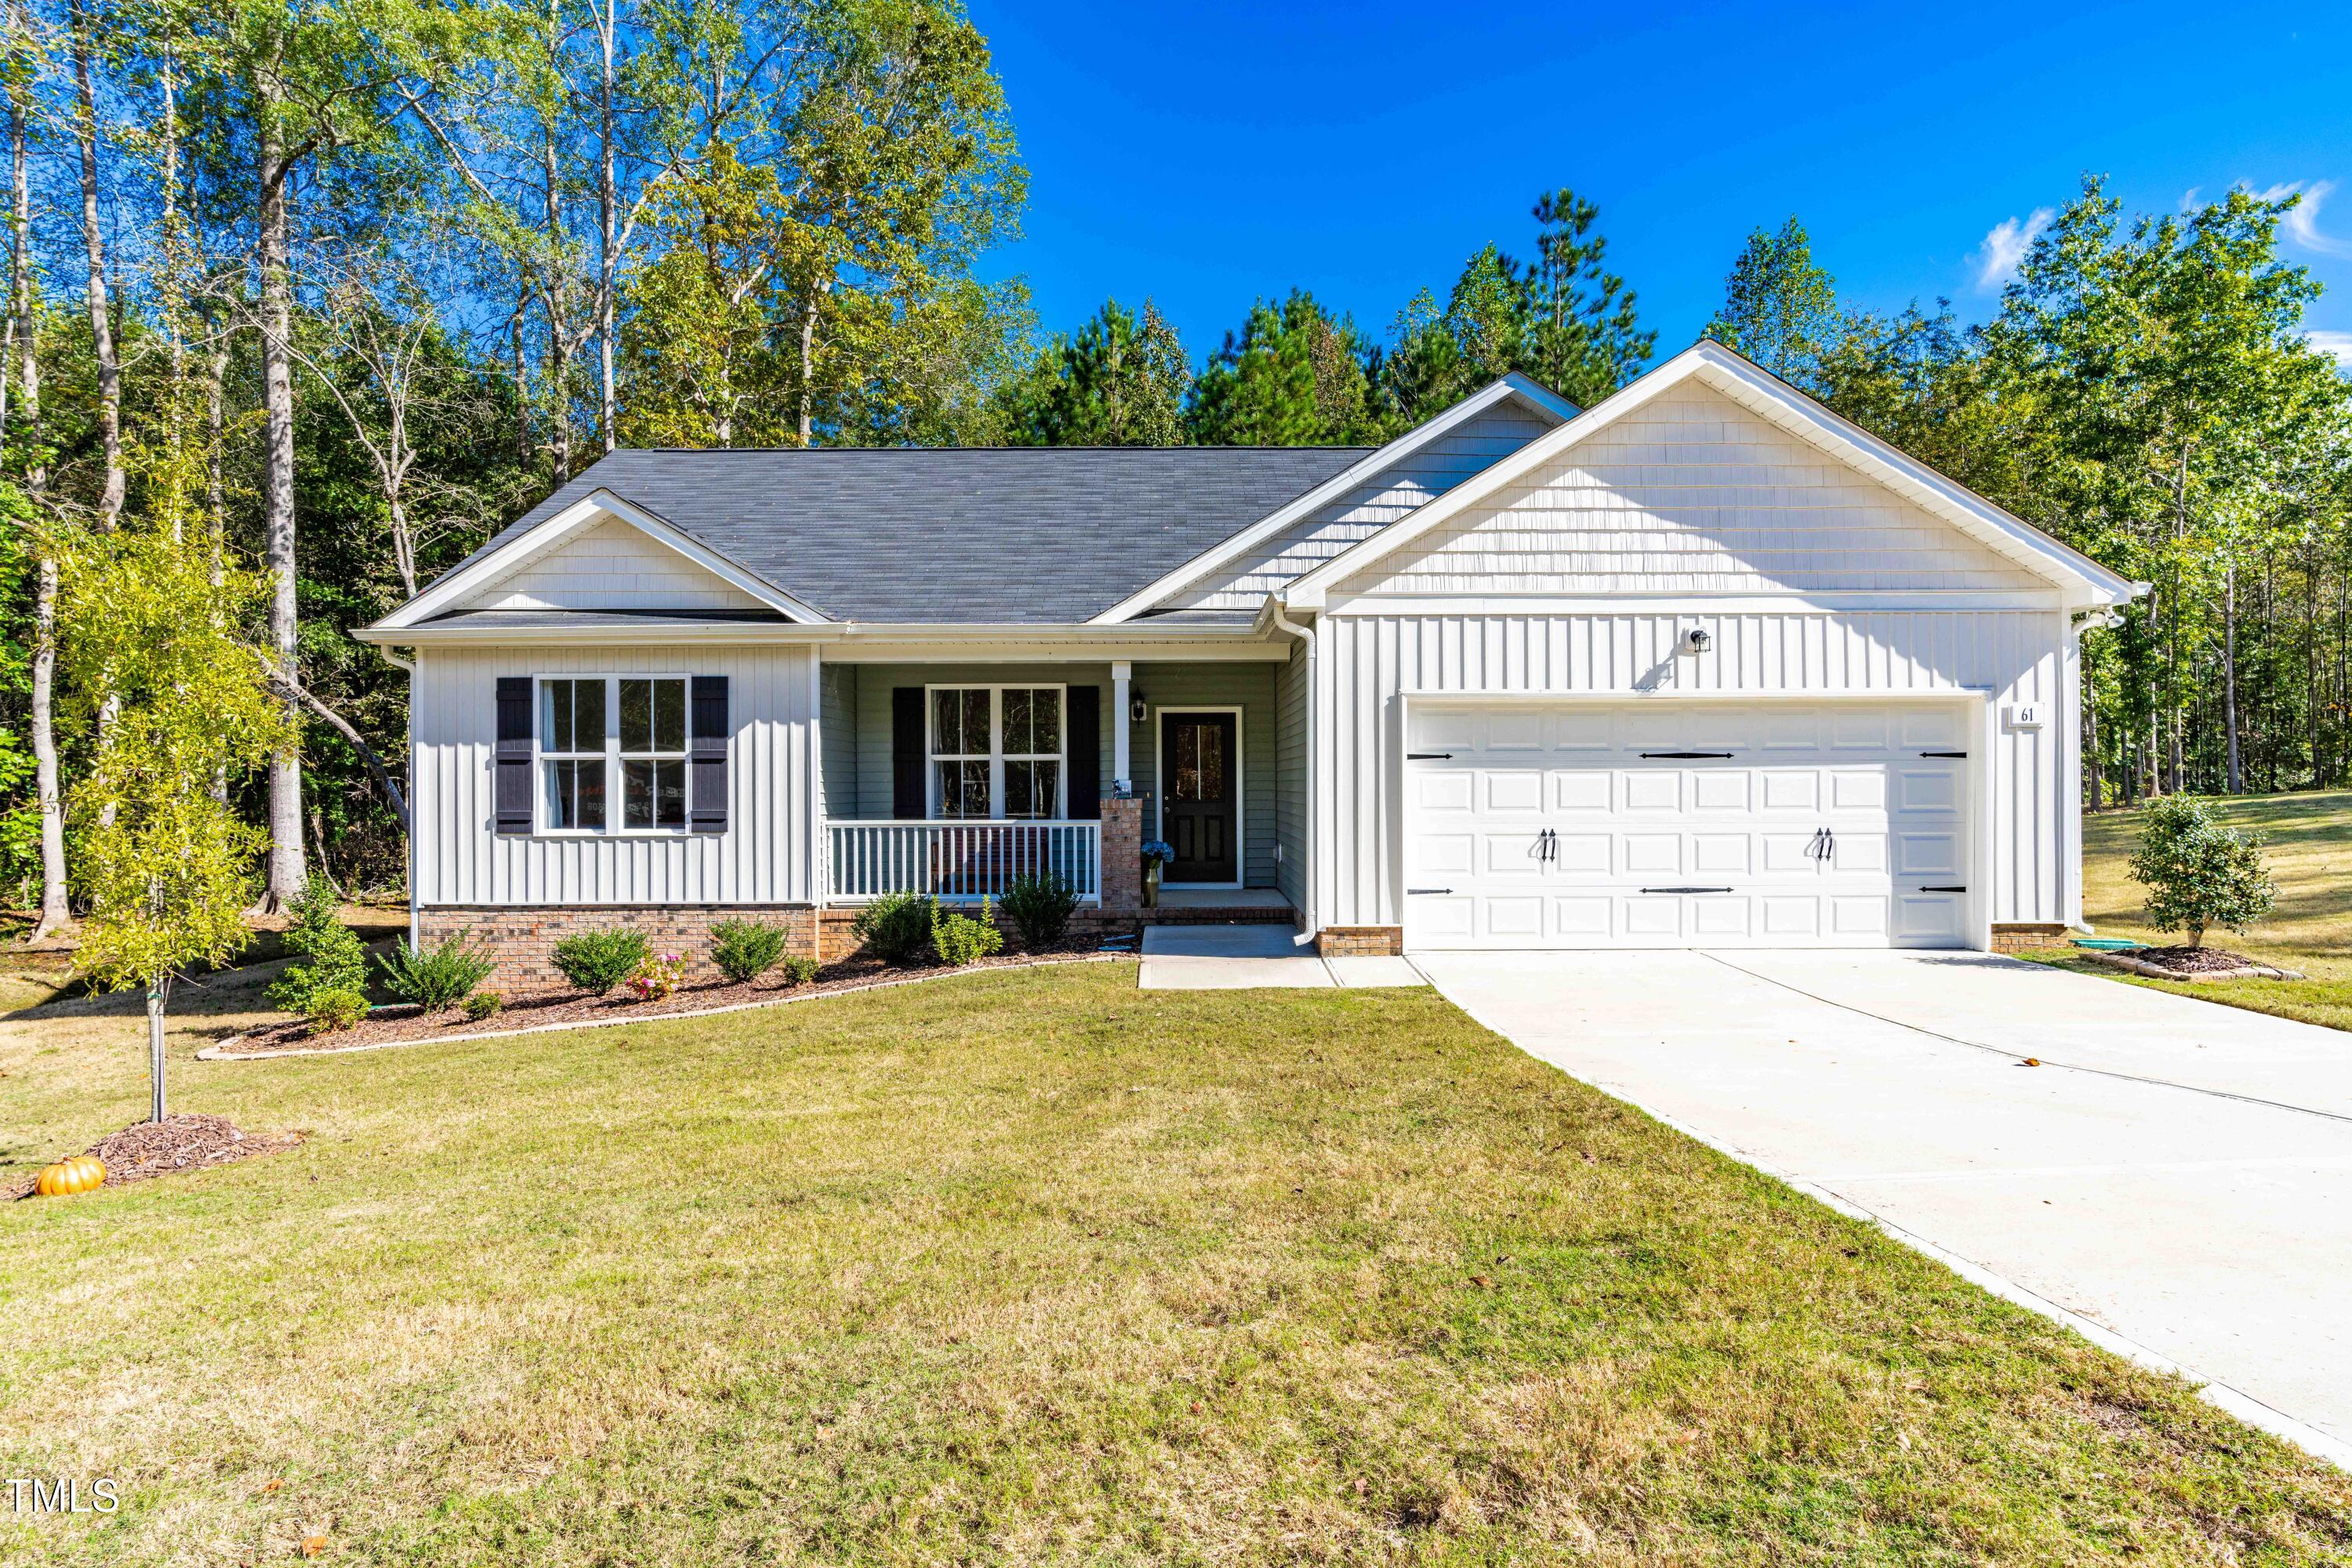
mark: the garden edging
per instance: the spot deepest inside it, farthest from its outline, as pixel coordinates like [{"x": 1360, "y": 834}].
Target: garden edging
[{"x": 224, "y": 1051}]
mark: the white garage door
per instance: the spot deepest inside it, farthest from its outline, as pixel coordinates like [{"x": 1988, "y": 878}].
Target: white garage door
[{"x": 1686, "y": 825}]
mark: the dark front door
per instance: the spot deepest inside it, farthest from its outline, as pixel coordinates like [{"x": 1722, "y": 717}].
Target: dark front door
[{"x": 1198, "y": 813}]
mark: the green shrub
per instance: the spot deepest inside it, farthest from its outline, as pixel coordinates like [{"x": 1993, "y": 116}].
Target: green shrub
[
  {"x": 1040, "y": 907},
  {"x": 2199, "y": 873},
  {"x": 800, "y": 971},
  {"x": 337, "y": 961},
  {"x": 960, "y": 939},
  {"x": 336, "y": 1009},
  {"x": 483, "y": 1004},
  {"x": 745, "y": 950},
  {"x": 442, "y": 977},
  {"x": 896, "y": 927},
  {"x": 597, "y": 961}
]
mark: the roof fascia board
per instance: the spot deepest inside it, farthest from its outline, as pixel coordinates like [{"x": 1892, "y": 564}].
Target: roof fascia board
[
  {"x": 2082, "y": 579},
  {"x": 1000, "y": 641},
  {"x": 581, "y": 515},
  {"x": 1232, "y": 546}
]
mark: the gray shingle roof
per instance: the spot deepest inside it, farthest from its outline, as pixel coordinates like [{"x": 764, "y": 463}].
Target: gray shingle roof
[{"x": 959, "y": 534}]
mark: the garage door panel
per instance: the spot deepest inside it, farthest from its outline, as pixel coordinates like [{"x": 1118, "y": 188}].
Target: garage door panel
[
  {"x": 1720, "y": 790},
  {"x": 1546, "y": 824},
  {"x": 1726, "y": 853},
  {"x": 1582, "y": 793},
  {"x": 1927, "y": 855},
  {"x": 1657, "y": 791},
  {"x": 1650, "y": 854}
]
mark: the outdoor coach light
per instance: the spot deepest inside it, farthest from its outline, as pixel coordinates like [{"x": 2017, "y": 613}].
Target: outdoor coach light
[
  {"x": 1694, "y": 641},
  {"x": 1134, "y": 709}
]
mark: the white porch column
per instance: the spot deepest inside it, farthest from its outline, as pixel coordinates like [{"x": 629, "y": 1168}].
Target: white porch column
[{"x": 1122, "y": 677}]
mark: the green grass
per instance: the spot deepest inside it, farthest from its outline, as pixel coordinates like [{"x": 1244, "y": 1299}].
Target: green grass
[
  {"x": 2310, "y": 931},
  {"x": 1032, "y": 1267}
]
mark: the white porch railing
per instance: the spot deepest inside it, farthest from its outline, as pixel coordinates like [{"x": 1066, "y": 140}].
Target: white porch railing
[{"x": 958, "y": 859}]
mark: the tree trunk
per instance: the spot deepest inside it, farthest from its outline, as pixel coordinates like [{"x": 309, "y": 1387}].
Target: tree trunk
[
  {"x": 55, "y": 911},
  {"x": 102, "y": 328},
  {"x": 2236, "y": 770},
  {"x": 817, "y": 291},
  {"x": 157, "y": 993},
  {"x": 521, "y": 380},
  {"x": 286, "y": 861},
  {"x": 608, "y": 201}
]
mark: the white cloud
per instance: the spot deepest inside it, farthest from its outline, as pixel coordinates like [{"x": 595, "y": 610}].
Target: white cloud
[
  {"x": 2339, "y": 344},
  {"x": 2302, "y": 224},
  {"x": 2005, "y": 245}
]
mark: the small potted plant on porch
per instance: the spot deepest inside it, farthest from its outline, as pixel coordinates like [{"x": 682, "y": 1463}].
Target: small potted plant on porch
[{"x": 1157, "y": 852}]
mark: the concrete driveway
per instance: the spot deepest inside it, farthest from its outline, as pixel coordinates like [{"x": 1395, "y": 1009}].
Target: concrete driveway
[{"x": 2177, "y": 1175}]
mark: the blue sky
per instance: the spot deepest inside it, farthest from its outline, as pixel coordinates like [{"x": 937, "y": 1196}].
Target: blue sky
[{"x": 1210, "y": 153}]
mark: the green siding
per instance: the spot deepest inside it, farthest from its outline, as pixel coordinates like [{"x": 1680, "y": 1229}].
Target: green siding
[{"x": 857, "y": 705}]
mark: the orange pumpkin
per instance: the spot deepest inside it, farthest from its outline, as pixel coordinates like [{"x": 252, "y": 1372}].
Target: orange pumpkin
[{"x": 76, "y": 1173}]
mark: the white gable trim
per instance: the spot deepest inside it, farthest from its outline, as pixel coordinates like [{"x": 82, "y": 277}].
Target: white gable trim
[
  {"x": 580, "y": 516},
  {"x": 1514, "y": 385},
  {"x": 2081, "y": 579}
]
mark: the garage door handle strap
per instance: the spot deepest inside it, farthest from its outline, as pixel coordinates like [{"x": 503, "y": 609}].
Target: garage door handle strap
[
  {"x": 1686, "y": 890},
  {"x": 1687, "y": 753}
]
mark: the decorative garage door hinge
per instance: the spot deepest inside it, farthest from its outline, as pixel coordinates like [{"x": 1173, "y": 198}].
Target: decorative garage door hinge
[
  {"x": 1942, "y": 753},
  {"x": 1961, "y": 888},
  {"x": 1429, "y": 889},
  {"x": 1426, "y": 756},
  {"x": 1687, "y": 753},
  {"x": 1686, "y": 890}
]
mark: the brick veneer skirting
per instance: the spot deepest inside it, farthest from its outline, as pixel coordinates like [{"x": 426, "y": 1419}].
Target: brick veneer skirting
[
  {"x": 523, "y": 940},
  {"x": 2019, "y": 936},
  {"x": 1364, "y": 941}
]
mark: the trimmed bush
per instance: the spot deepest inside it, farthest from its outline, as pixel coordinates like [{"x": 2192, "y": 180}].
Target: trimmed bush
[
  {"x": 2199, "y": 873},
  {"x": 1040, "y": 907},
  {"x": 597, "y": 961},
  {"x": 337, "y": 961},
  {"x": 336, "y": 1009},
  {"x": 960, "y": 939},
  {"x": 896, "y": 927},
  {"x": 483, "y": 1004},
  {"x": 800, "y": 971},
  {"x": 745, "y": 950},
  {"x": 440, "y": 978}
]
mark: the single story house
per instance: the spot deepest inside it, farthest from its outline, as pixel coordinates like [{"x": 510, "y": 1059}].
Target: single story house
[{"x": 1702, "y": 666}]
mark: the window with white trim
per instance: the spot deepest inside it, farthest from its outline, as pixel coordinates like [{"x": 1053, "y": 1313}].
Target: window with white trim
[
  {"x": 997, "y": 751},
  {"x": 594, "y": 729}
]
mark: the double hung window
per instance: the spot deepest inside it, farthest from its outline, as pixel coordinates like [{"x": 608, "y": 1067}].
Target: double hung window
[
  {"x": 996, "y": 751},
  {"x": 594, "y": 729}
]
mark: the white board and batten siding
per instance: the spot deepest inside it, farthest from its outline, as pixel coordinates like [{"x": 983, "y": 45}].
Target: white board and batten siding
[
  {"x": 764, "y": 856},
  {"x": 1583, "y": 580}
]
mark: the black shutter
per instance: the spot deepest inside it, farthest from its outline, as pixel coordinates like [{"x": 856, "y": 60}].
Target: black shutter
[
  {"x": 908, "y": 754},
  {"x": 1085, "y": 727},
  {"x": 510, "y": 771},
  {"x": 706, "y": 768}
]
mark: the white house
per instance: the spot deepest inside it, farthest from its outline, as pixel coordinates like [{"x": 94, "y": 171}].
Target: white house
[{"x": 1704, "y": 665}]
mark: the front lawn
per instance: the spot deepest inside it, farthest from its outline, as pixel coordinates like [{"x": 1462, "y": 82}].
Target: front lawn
[
  {"x": 2310, "y": 931},
  {"x": 1032, "y": 1267}
]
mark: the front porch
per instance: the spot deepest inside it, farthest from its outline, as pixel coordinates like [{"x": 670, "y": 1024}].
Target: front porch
[{"x": 953, "y": 780}]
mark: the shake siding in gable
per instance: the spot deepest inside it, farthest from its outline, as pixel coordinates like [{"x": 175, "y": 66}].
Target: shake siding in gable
[
  {"x": 762, "y": 858},
  {"x": 1381, "y": 501},
  {"x": 610, "y": 566},
  {"x": 1692, "y": 493}
]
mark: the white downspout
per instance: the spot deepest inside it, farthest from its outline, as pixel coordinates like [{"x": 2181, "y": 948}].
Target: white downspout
[
  {"x": 397, "y": 662},
  {"x": 1309, "y": 925}
]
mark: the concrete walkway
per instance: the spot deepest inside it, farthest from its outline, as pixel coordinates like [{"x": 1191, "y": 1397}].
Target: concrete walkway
[
  {"x": 2177, "y": 1175},
  {"x": 1237, "y": 957}
]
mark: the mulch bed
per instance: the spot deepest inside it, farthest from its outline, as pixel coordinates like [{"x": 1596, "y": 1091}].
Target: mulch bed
[
  {"x": 2193, "y": 964},
  {"x": 188, "y": 1143},
  {"x": 532, "y": 1009}
]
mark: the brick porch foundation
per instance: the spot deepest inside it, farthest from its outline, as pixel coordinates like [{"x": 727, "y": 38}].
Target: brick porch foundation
[
  {"x": 523, "y": 940},
  {"x": 2020, "y": 936},
  {"x": 1363, "y": 941}
]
